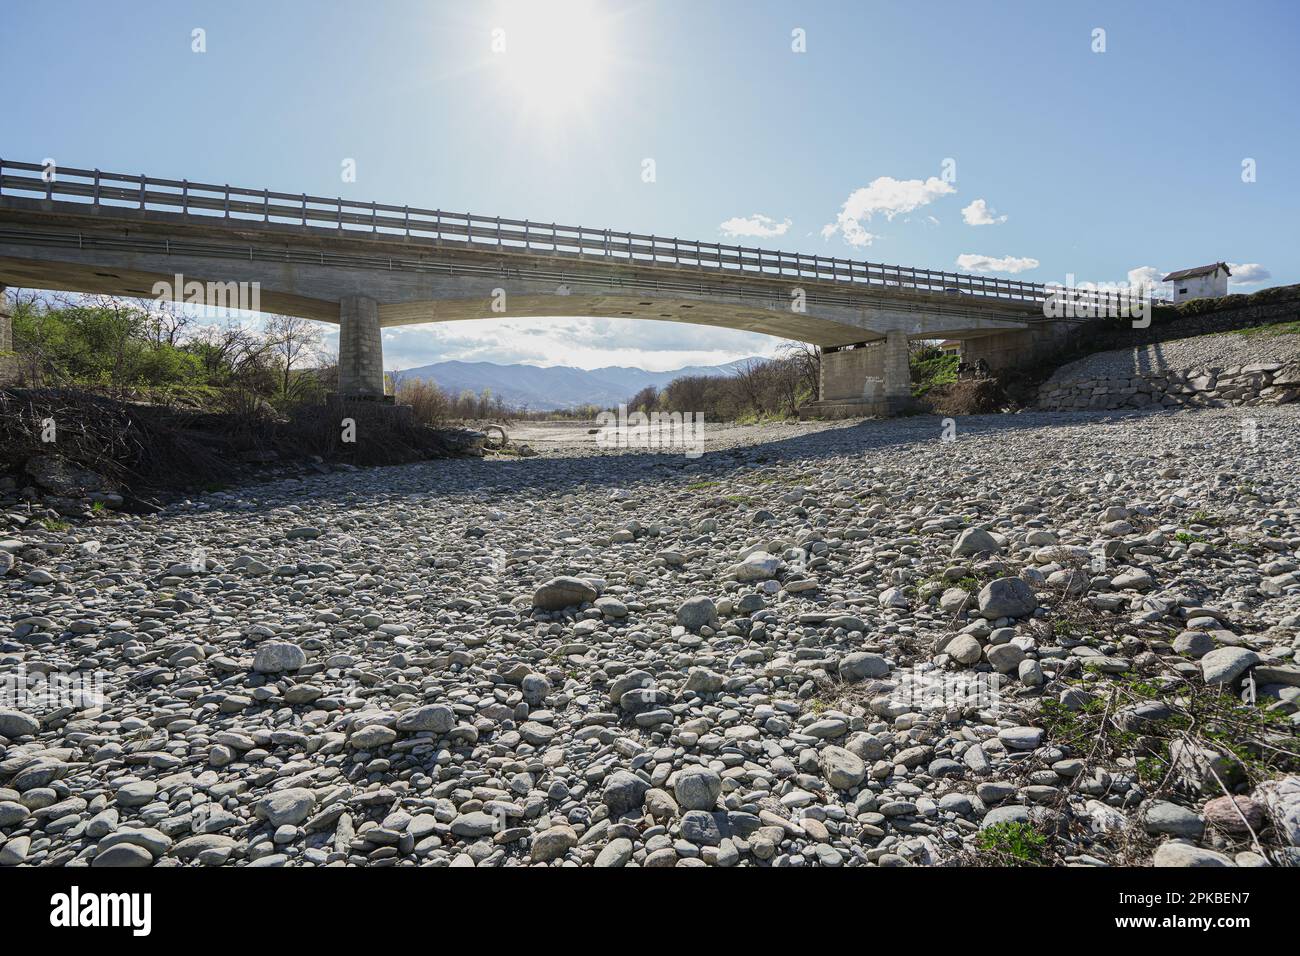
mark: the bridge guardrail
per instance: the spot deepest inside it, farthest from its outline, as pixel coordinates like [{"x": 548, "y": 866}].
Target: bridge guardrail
[{"x": 238, "y": 203}]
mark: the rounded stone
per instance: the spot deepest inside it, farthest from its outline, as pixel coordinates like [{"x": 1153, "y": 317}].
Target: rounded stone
[
  {"x": 553, "y": 843},
  {"x": 974, "y": 541},
  {"x": 1184, "y": 854},
  {"x": 964, "y": 649},
  {"x": 14, "y": 723},
  {"x": 1006, "y": 597},
  {"x": 697, "y": 612},
  {"x": 842, "y": 769},
  {"x": 697, "y": 788},
  {"x": 861, "y": 665},
  {"x": 276, "y": 657},
  {"x": 559, "y": 593},
  {"x": 123, "y": 855},
  {"x": 433, "y": 718},
  {"x": 624, "y": 791}
]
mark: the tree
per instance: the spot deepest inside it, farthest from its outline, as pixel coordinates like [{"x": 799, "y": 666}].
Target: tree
[
  {"x": 752, "y": 382},
  {"x": 166, "y": 324},
  {"x": 231, "y": 354},
  {"x": 294, "y": 340},
  {"x": 646, "y": 400},
  {"x": 807, "y": 360}
]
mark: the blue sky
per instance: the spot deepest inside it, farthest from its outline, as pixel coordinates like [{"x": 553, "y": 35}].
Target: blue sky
[{"x": 1100, "y": 162}]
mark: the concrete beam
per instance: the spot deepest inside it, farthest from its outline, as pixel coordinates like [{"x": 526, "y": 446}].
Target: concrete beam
[
  {"x": 308, "y": 273},
  {"x": 361, "y": 348}
]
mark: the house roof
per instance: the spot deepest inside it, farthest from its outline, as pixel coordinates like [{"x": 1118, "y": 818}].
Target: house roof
[{"x": 1198, "y": 271}]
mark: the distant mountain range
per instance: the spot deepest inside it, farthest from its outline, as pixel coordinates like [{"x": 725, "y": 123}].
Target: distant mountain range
[{"x": 556, "y": 387}]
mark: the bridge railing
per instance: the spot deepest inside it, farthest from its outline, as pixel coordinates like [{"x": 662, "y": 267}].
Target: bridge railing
[{"x": 236, "y": 203}]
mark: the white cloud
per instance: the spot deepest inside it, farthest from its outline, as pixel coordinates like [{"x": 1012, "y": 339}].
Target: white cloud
[
  {"x": 578, "y": 342},
  {"x": 977, "y": 263},
  {"x": 885, "y": 196},
  {"x": 1248, "y": 273},
  {"x": 758, "y": 225},
  {"x": 978, "y": 213},
  {"x": 1145, "y": 275}
]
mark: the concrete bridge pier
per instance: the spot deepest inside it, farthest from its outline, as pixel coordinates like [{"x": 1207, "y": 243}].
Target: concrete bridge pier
[
  {"x": 871, "y": 378},
  {"x": 897, "y": 373},
  {"x": 8, "y": 362},
  {"x": 361, "y": 348}
]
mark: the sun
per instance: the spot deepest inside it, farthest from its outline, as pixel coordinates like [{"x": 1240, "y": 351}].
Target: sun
[{"x": 553, "y": 56}]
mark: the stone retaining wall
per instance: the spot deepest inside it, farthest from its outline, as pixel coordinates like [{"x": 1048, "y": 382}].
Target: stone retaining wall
[{"x": 1262, "y": 383}]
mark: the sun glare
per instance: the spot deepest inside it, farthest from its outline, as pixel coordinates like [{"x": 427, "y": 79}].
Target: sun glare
[{"x": 554, "y": 55}]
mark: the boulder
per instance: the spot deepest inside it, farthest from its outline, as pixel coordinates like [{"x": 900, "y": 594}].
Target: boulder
[
  {"x": 559, "y": 593},
  {"x": 1006, "y": 597}
]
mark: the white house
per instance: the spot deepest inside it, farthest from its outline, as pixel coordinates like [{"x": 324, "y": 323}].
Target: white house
[{"x": 1200, "y": 283}]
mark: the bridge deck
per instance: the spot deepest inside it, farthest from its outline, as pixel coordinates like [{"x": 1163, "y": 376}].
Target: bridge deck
[{"x": 70, "y": 193}]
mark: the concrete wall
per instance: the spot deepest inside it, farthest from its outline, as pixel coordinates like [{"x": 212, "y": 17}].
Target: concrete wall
[
  {"x": 1201, "y": 287},
  {"x": 1004, "y": 350},
  {"x": 8, "y": 364},
  {"x": 361, "y": 348},
  {"x": 853, "y": 374},
  {"x": 877, "y": 373},
  {"x": 1000, "y": 351},
  {"x": 897, "y": 369}
]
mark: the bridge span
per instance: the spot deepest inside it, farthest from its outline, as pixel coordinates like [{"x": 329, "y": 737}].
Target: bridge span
[{"x": 366, "y": 266}]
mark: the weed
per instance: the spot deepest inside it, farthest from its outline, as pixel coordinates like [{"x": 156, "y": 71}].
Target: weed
[{"x": 1013, "y": 844}]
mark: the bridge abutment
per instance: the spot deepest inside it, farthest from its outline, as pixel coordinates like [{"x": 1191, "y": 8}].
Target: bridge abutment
[
  {"x": 361, "y": 348},
  {"x": 1004, "y": 350}
]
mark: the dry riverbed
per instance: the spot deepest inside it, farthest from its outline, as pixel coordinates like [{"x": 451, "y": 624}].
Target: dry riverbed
[{"x": 1053, "y": 638}]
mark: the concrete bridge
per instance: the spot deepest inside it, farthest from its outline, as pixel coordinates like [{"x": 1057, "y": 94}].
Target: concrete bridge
[{"x": 367, "y": 266}]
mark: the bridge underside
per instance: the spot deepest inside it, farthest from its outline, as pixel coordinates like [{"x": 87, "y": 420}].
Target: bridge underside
[{"x": 367, "y": 284}]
